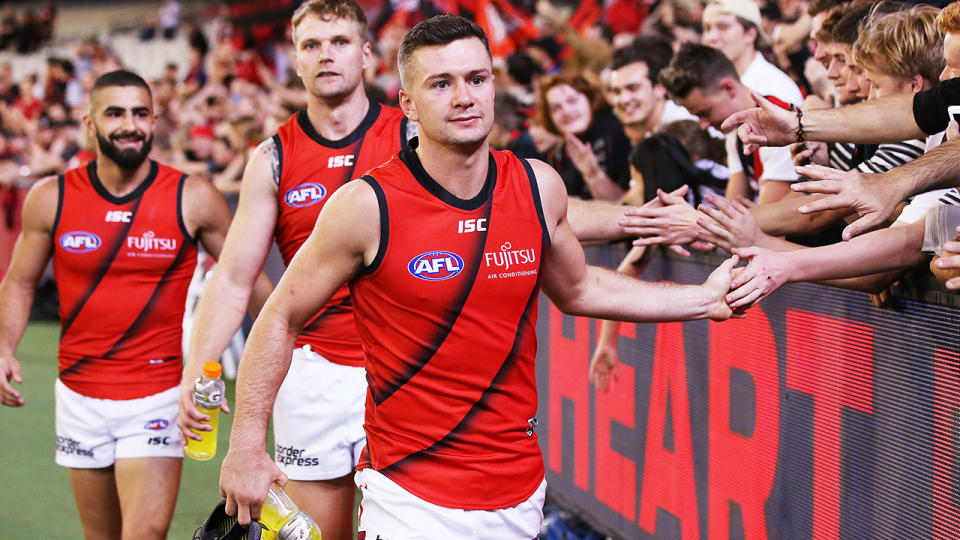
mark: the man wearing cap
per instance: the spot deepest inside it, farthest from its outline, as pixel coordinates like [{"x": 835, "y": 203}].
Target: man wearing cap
[{"x": 733, "y": 26}]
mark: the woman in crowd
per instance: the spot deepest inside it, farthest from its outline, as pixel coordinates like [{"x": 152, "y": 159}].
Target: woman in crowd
[{"x": 581, "y": 138}]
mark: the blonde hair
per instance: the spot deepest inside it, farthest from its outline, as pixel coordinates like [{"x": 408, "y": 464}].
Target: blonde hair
[
  {"x": 949, "y": 19},
  {"x": 902, "y": 44},
  {"x": 329, "y": 10}
]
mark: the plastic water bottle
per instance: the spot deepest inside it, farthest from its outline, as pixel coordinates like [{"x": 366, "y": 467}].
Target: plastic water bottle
[
  {"x": 282, "y": 516},
  {"x": 207, "y": 397}
]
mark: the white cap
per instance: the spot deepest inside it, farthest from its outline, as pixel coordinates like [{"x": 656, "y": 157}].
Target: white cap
[{"x": 747, "y": 10}]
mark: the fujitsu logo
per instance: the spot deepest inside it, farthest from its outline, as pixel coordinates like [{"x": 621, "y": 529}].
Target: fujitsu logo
[
  {"x": 148, "y": 241},
  {"x": 507, "y": 256}
]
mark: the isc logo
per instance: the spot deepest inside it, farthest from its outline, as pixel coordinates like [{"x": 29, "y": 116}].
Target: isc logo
[
  {"x": 159, "y": 441},
  {"x": 435, "y": 265},
  {"x": 472, "y": 225},
  {"x": 305, "y": 194},
  {"x": 339, "y": 161},
  {"x": 79, "y": 241},
  {"x": 118, "y": 216}
]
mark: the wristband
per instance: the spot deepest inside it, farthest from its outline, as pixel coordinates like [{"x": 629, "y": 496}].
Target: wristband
[{"x": 800, "y": 134}]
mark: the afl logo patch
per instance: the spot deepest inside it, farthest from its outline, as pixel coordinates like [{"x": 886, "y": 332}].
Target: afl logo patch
[
  {"x": 79, "y": 241},
  {"x": 435, "y": 265},
  {"x": 157, "y": 425},
  {"x": 305, "y": 194}
]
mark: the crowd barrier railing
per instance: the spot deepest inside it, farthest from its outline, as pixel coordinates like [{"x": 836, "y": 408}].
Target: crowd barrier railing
[{"x": 819, "y": 415}]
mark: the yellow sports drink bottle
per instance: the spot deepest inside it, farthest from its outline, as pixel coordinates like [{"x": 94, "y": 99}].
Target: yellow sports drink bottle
[
  {"x": 207, "y": 397},
  {"x": 282, "y": 516}
]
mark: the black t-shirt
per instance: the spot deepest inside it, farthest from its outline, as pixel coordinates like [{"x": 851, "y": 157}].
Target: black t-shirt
[
  {"x": 930, "y": 106},
  {"x": 612, "y": 148}
]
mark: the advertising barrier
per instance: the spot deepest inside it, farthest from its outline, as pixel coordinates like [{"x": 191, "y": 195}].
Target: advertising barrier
[{"x": 819, "y": 415}]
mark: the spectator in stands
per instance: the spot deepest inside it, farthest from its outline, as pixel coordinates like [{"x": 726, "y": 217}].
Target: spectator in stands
[
  {"x": 705, "y": 82},
  {"x": 639, "y": 100},
  {"x": 918, "y": 43},
  {"x": 523, "y": 71},
  {"x": 835, "y": 58},
  {"x": 874, "y": 197},
  {"x": 28, "y": 102},
  {"x": 901, "y": 42},
  {"x": 508, "y": 131},
  {"x": 895, "y": 50},
  {"x": 733, "y": 27},
  {"x": 815, "y": 69},
  {"x": 590, "y": 150}
]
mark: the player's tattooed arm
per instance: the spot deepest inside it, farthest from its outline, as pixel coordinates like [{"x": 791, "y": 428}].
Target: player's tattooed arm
[{"x": 270, "y": 149}]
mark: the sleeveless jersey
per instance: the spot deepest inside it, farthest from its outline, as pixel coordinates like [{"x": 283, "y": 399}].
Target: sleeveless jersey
[
  {"x": 312, "y": 168},
  {"x": 447, "y": 315},
  {"x": 122, "y": 267}
]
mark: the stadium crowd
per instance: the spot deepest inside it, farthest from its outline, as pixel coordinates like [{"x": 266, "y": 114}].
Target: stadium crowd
[{"x": 833, "y": 110}]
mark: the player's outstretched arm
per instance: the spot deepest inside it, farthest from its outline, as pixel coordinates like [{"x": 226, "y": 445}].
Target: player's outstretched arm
[
  {"x": 345, "y": 238},
  {"x": 592, "y": 291},
  {"x": 30, "y": 257},
  {"x": 596, "y": 221},
  {"x": 240, "y": 252}
]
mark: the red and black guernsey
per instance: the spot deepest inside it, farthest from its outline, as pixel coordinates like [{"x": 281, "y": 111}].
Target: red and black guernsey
[
  {"x": 751, "y": 163},
  {"x": 311, "y": 169},
  {"x": 447, "y": 314},
  {"x": 122, "y": 267}
]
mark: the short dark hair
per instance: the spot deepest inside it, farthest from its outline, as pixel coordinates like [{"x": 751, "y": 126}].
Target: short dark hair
[
  {"x": 696, "y": 66},
  {"x": 523, "y": 68},
  {"x": 825, "y": 34},
  {"x": 847, "y": 29},
  {"x": 120, "y": 77},
  {"x": 819, "y": 6},
  {"x": 438, "y": 30},
  {"x": 653, "y": 51}
]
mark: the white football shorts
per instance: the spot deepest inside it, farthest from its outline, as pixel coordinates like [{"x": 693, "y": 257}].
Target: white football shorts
[
  {"x": 318, "y": 418},
  {"x": 389, "y": 512},
  {"x": 93, "y": 433}
]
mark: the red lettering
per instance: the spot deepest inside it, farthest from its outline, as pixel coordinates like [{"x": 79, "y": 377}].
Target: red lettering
[
  {"x": 743, "y": 467},
  {"x": 569, "y": 361},
  {"x": 668, "y": 479},
  {"x": 616, "y": 475},
  {"x": 946, "y": 405},
  {"x": 832, "y": 360}
]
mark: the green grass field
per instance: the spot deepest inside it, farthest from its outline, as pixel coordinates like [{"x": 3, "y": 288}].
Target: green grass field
[{"x": 35, "y": 496}]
